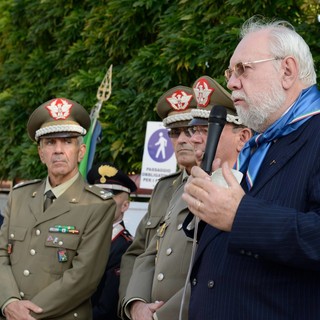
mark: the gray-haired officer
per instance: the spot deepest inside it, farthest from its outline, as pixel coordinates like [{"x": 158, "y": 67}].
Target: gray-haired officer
[
  {"x": 208, "y": 93},
  {"x": 54, "y": 229},
  {"x": 174, "y": 108},
  {"x": 164, "y": 266},
  {"x": 106, "y": 176}
]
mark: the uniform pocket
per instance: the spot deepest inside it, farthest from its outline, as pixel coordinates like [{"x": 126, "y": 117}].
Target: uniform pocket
[{"x": 17, "y": 235}]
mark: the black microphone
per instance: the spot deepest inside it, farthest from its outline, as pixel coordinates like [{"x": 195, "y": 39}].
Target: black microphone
[{"x": 216, "y": 122}]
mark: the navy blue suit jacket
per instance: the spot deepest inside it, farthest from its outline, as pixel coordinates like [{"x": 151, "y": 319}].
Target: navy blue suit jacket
[{"x": 268, "y": 266}]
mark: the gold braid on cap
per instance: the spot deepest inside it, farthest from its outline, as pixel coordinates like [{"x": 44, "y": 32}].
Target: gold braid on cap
[
  {"x": 197, "y": 113},
  {"x": 108, "y": 171}
]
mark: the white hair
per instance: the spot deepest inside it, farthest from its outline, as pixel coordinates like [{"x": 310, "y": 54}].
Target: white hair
[{"x": 285, "y": 41}]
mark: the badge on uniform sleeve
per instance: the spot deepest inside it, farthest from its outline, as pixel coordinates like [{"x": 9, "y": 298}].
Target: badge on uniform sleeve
[{"x": 62, "y": 255}]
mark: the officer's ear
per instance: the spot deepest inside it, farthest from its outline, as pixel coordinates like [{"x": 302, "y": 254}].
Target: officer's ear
[
  {"x": 82, "y": 151},
  {"x": 244, "y": 135},
  {"x": 40, "y": 152}
]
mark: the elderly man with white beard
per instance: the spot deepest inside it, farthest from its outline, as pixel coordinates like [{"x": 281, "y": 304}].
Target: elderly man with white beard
[{"x": 260, "y": 257}]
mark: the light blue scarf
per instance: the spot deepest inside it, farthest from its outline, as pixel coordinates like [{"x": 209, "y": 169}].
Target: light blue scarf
[{"x": 306, "y": 106}]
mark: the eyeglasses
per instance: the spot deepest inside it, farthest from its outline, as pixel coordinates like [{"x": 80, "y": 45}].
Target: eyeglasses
[
  {"x": 174, "y": 133},
  {"x": 240, "y": 67},
  {"x": 197, "y": 129}
]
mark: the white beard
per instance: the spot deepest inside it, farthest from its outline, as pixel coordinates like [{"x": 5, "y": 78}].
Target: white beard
[{"x": 260, "y": 107}]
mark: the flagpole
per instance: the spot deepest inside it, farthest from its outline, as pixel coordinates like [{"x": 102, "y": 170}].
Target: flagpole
[{"x": 103, "y": 94}]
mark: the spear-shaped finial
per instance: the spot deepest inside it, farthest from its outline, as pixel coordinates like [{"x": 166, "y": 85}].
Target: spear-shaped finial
[
  {"x": 103, "y": 94},
  {"x": 104, "y": 90}
]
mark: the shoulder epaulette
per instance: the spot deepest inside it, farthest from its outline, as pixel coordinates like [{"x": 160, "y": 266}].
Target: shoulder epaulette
[
  {"x": 101, "y": 193},
  {"x": 26, "y": 183},
  {"x": 126, "y": 234}
]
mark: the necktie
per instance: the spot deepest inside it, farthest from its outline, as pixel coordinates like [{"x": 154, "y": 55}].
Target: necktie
[{"x": 49, "y": 199}]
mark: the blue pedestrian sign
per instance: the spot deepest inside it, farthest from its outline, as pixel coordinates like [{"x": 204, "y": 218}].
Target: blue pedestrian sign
[
  {"x": 158, "y": 156},
  {"x": 159, "y": 146}
]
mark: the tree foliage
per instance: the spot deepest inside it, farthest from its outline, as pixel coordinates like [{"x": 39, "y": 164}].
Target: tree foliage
[{"x": 51, "y": 48}]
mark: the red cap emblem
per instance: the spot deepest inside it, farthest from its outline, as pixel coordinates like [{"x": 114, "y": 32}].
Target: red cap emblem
[
  {"x": 59, "y": 109},
  {"x": 202, "y": 92},
  {"x": 179, "y": 100}
]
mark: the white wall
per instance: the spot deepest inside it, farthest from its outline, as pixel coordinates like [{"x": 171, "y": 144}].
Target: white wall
[{"x": 134, "y": 214}]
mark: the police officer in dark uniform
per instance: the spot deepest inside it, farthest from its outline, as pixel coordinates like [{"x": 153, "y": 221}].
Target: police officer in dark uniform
[{"x": 105, "y": 175}]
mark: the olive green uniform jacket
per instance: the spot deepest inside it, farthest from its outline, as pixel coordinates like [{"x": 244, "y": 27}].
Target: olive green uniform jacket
[
  {"x": 158, "y": 205},
  {"x": 160, "y": 273},
  {"x": 29, "y": 253}
]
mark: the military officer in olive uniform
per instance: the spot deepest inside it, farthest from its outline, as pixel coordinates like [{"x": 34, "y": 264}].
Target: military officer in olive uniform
[
  {"x": 173, "y": 107},
  {"x": 51, "y": 257},
  {"x": 164, "y": 266},
  {"x": 106, "y": 176}
]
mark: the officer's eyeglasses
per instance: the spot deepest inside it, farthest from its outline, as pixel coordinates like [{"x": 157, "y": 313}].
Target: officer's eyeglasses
[
  {"x": 240, "y": 68},
  {"x": 202, "y": 131},
  {"x": 175, "y": 132}
]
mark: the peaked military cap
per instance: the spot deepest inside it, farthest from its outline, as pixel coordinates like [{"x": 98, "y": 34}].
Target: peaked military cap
[
  {"x": 59, "y": 117},
  {"x": 174, "y": 107},
  {"x": 208, "y": 93},
  {"x": 105, "y": 175}
]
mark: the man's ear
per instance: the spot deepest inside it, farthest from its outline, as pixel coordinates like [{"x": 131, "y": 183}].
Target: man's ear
[
  {"x": 125, "y": 205},
  {"x": 82, "y": 152},
  {"x": 290, "y": 72},
  {"x": 40, "y": 153},
  {"x": 245, "y": 134}
]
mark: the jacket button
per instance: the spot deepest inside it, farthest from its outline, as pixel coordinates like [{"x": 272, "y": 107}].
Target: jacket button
[
  {"x": 160, "y": 276},
  {"x": 179, "y": 226},
  {"x": 21, "y": 294},
  {"x": 32, "y": 252},
  {"x": 169, "y": 251},
  {"x": 194, "y": 281},
  {"x": 210, "y": 284},
  {"x": 38, "y": 232},
  {"x": 26, "y": 273},
  {"x": 75, "y": 315}
]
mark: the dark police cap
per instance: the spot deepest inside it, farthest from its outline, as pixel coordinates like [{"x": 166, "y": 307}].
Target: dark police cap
[
  {"x": 105, "y": 175},
  {"x": 208, "y": 93},
  {"x": 59, "y": 117},
  {"x": 174, "y": 106}
]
